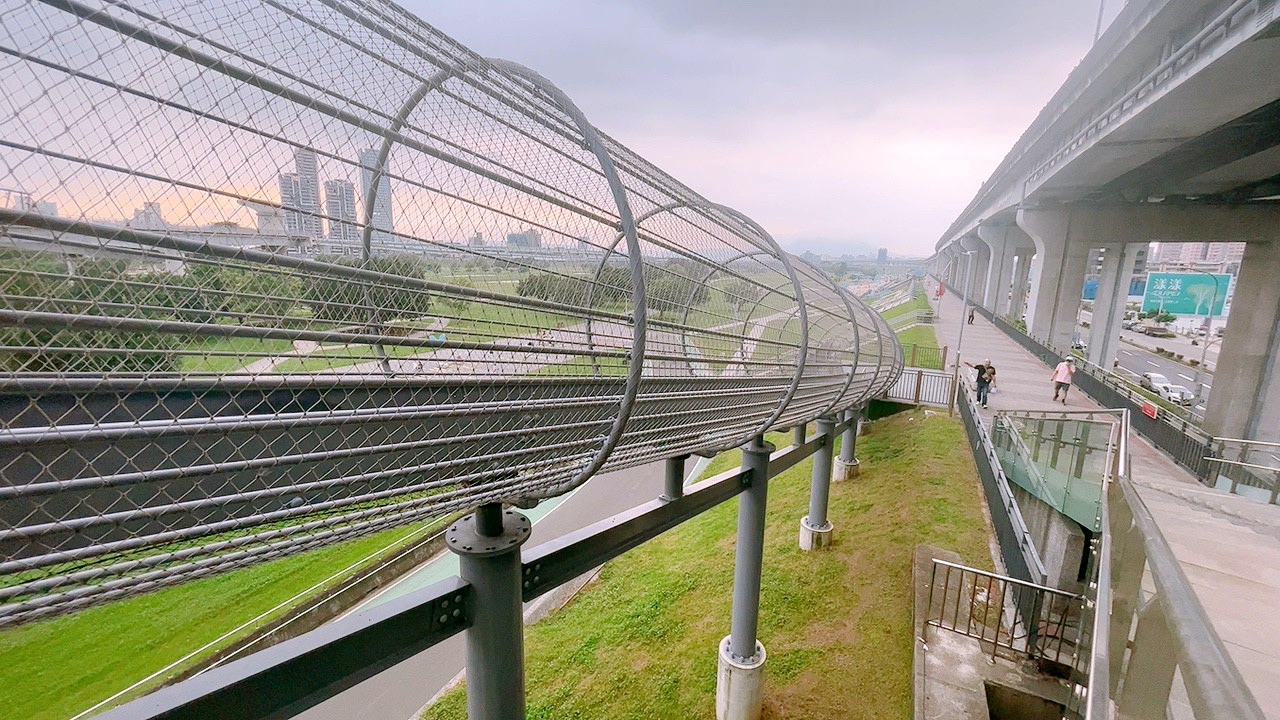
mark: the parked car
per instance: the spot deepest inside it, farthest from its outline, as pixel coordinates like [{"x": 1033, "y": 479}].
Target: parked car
[
  {"x": 1176, "y": 394},
  {"x": 1152, "y": 380},
  {"x": 1160, "y": 332}
]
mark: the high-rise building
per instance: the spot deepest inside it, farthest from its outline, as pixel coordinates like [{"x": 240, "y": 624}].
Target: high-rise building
[
  {"x": 340, "y": 206},
  {"x": 882, "y": 256},
  {"x": 530, "y": 238},
  {"x": 308, "y": 191},
  {"x": 148, "y": 217},
  {"x": 382, "y": 221},
  {"x": 300, "y": 196},
  {"x": 291, "y": 203}
]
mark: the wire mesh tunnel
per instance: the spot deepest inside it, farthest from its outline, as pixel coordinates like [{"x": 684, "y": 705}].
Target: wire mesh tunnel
[{"x": 277, "y": 275}]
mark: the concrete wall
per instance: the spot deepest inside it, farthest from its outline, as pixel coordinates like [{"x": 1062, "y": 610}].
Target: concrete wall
[{"x": 1060, "y": 540}]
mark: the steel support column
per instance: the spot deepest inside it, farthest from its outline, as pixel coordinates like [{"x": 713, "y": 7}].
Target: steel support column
[
  {"x": 487, "y": 543},
  {"x": 815, "y": 528},
  {"x": 674, "y": 486},
  {"x": 740, "y": 674},
  {"x": 846, "y": 466}
]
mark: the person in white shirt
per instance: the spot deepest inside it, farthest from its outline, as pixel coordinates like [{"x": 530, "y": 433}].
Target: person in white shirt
[{"x": 1061, "y": 378}]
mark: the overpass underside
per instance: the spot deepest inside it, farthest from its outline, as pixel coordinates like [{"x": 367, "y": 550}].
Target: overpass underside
[{"x": 1169, "y": 132}]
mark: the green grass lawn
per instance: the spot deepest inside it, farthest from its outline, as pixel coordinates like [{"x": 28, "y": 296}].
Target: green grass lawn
[
  {"x": 59, "y": 667},
  {"x": 917, "y": 302},
  {"x": 220, "y": 355},
  {"x": 477, "y": 322},
  {"x": 641, "y": 641}
]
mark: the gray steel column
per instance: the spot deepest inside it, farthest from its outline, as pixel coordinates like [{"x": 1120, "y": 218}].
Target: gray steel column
[
  {"x": 750, "y": 551},
  {"x": 820, "y": 487},
  {"x": 487, "y": 543},
  {"x": 797, "y": 435},
  {"x": 674, "y": 487},
  {"x": 849, "y": 440}
]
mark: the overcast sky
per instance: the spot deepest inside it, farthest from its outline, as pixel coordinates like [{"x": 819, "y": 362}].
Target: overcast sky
[{"x": 840, "y": 125}]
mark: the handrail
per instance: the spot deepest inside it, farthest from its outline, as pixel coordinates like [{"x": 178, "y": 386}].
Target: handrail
[{"x": 1213, "y": 682}]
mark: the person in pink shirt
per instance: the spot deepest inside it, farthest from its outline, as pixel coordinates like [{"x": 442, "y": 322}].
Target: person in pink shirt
[{"x": 1061, "y": 378}]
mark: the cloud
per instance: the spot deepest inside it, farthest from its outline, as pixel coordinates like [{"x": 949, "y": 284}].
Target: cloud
[{"x": 826, "y": 120}]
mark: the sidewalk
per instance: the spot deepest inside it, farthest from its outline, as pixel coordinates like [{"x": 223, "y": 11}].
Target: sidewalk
[{"x": 1228, "y": 546}]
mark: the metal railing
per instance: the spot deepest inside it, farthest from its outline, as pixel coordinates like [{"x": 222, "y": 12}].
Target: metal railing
[
  {"x": 911, "y": 319},
  {"x": 258, "y": 297},
  {"x": 931, "y": 358},
  {"x": 1017, "y": 546},
  {"x": 1246, "y": 467},
  {"x": 922, "y": 386},
  {"x": 302, "y": 672},
  {"x": 1146, "y": 625},
  {"x": 1029, "y": 620}
]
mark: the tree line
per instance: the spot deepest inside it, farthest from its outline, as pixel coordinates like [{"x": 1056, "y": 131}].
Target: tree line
[{"x": 203, "y": 293}]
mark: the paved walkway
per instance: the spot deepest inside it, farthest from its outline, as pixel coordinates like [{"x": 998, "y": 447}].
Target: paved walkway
[{"x": 1228, "y": 546}]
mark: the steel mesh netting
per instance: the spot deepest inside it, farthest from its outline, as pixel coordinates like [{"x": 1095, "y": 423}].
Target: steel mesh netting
[{"x": 277, "y": 275}]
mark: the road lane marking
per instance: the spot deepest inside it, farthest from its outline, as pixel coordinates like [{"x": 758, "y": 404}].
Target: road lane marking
[
  {"x": 1184, "y": 377},
  {"x": 1152, "y": 364},
  {"x": 1126, "y": 352}
]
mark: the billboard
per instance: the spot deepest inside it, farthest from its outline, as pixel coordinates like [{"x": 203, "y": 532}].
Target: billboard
[{"x": 1185, "y": 293}]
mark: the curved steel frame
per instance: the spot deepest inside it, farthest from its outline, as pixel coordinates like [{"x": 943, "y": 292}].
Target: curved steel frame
[
  {"x": 628, "y": 229},
  {"x": 325, "y": 401}
]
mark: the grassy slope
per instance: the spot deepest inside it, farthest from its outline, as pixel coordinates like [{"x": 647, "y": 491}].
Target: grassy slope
[
  {"x": 921, "y": 335},
  {"x": 640, "y": 643},
  {"x": 918, "y": 302},
  {"x": 57, "y": 668}
]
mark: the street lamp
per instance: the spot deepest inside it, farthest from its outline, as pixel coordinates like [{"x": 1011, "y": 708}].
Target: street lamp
[{"x": 1208, "y": 332}]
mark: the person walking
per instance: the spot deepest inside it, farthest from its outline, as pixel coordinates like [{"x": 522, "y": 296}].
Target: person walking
[
  {"x": 971, "y": 310},
  {"x": 986, "y": 376},
  {"x": 1061, "y": 378}
]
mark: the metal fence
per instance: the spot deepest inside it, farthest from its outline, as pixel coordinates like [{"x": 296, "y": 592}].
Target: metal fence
[
  {"x": 930, "y": 358},
  {"x": 921, "y": 386},
  {"x": 1029, "y": 620},
  {"x": 275, "y": 276}
]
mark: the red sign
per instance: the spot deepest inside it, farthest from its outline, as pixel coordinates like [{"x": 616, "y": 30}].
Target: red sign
[
  {"x": 941, "y": 290},
  {"x": 1149, "y": 409}
]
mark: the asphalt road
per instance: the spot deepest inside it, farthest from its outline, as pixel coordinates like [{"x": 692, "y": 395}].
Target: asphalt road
[
  {"x": 1135, "y": 360},
  {"x": 401, "y": 691}
]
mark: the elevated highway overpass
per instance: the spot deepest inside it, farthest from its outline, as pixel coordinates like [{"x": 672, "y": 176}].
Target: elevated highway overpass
[{"x": 1168, "y": 130}]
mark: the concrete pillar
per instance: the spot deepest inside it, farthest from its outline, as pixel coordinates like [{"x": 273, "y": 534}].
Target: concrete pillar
[
  {"x": 1019, "y": 287},
  {"x": 1244, "y": 401},
  {"x": 1059, "y": 267},
  {"x": 999, "y": 253},
  {"x": 981, "y": 259},
  {"x": 1003, "y": 241},
  {"x": 1108, "y": 306}
]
